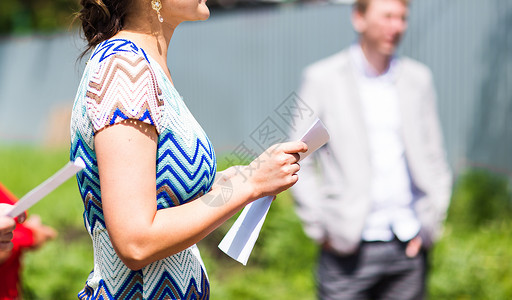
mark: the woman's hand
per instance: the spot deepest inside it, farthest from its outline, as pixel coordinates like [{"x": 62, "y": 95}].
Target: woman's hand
[{"x": 276, "y": 169}]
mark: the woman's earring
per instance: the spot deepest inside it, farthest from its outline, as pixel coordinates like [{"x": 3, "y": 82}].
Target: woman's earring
[{"x": 157, "y": 5}]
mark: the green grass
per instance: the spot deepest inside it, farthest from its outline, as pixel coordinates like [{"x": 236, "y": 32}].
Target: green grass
[
  {"x": 59, "y": 269},
  {"x": 472, "y": 261}
]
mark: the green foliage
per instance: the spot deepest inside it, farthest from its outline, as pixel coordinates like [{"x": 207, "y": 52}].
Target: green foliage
[
  {"x": 473, "y": 264},
  {"x": 472, "y": 261},
  {"x": 25, "y": 16},
  {"x": 480, "y": 197},
  {"x": 280, "y": 266},
  {"x": 58, "y": 270}
]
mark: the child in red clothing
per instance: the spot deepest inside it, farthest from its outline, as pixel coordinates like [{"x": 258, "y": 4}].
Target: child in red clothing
[{"x": 29, "y": 235}]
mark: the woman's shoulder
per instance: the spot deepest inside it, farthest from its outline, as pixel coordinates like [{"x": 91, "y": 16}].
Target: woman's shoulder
[
  {"x": 121, "y": 85},
  {"x": 109, "y": 50},
  {"x": 120, "y": 61}
]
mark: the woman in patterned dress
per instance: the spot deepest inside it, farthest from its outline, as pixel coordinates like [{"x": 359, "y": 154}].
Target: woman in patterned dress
[{"x": 135, "y": 133}]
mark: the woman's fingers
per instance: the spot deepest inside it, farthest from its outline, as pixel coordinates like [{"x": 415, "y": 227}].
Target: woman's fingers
[
  {"x": 295, "y": 168},
  {"x": 293, "y": 147},
  {"x": 296, "y": 157},
  {"x": 276, "y": 169}
]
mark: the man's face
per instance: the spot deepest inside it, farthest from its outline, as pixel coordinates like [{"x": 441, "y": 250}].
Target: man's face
[{"x": 383, "y": 24}]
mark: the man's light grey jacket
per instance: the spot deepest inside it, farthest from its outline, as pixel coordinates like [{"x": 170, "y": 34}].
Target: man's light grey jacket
[{"x": 333, "y": 191}]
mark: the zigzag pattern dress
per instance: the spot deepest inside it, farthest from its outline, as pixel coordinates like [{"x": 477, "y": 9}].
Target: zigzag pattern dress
[{"x": 122, "y": 82}]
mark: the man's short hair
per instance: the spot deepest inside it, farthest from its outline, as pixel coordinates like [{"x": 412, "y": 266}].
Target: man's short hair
[{"x": 362, "y": 5}]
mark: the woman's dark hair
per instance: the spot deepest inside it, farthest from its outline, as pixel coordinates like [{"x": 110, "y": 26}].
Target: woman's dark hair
[{"x": 101, "y": 19}]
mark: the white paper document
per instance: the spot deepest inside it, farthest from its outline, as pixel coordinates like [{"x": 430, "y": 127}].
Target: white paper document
[
  {"x": 241, "y": 237},
  {"x": 50, "y": 184}
]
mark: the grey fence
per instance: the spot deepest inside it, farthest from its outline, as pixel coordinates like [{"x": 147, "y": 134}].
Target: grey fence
[{"x": 236, "y": 68}]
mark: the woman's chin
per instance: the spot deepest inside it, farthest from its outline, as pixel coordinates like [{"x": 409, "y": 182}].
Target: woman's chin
[{"x": 204, "y": 13}]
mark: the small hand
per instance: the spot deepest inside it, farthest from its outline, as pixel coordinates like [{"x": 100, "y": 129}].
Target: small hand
[
  {"x": 276, "y": 169},
  {"x": 7, "y": 225},
  {"x": 413, "y": 247},
  {"x": 41, "y": 232}
]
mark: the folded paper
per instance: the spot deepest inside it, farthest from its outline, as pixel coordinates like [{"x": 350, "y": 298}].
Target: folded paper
[
  {"x": 50, "y": 184},
  {"x": 241, "y": 237}
]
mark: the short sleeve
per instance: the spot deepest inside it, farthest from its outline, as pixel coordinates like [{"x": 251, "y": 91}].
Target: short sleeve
[{"x": 123, "y": 87}]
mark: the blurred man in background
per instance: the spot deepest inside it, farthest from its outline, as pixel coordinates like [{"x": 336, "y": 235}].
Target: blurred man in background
[{"x": 376, "y": 195}]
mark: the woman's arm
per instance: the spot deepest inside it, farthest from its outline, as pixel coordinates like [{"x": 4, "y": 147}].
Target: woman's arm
[{"x": 140, "y": 234}]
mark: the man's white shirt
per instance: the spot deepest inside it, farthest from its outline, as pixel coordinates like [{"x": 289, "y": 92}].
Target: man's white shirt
[{"x": 391, "y": 193}]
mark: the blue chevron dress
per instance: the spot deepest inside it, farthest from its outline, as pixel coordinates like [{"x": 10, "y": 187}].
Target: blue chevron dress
[{"x": 122, "y": 82}]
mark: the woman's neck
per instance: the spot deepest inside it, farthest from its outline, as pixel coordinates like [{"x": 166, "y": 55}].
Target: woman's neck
[{"x": 154, "y": 40}]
